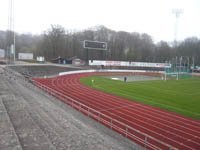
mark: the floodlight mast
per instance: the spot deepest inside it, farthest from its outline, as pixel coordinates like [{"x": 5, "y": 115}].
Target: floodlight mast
[
  {"x": 177, "y": 13},
  {"x": 14, "y": 42},
  {"x": 11, "y": 32}
]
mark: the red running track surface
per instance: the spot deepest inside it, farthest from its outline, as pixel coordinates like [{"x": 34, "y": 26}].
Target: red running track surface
[{"x": 178, "y": 131}]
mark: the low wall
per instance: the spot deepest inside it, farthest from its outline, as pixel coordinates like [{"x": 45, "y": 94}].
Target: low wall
[{"x": 103, "y": 70}]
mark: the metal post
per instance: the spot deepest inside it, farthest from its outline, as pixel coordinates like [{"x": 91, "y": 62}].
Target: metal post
[
  {"x": 193, "y": 67},
  {"x": 165, "y": 73},
  {"x": 176, "y": 64},
  {"x": 98, "y": 116},
  {"x": 126, "y": 131},
  {"x": 188, "y": 66},
  {"x": 13, "y": 32},
  {"x": 180, "y": 66},
  {"x": 86, "y": 57},
  {"x": 88, "y": 112},
  {"x": 14, "y": 49},
  {"x": 111, "y": 123},
  {"x": 145, "y": 142}
]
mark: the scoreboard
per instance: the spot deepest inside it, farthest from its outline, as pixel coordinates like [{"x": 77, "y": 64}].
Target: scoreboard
[{"x": 95, "y": 45}]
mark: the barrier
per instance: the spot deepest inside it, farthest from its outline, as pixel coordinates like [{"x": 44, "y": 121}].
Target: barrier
[
  {"x": 105, "y": 70},
  {"x": 114, "y": 124},
  {"x": 127, "y": 131}
]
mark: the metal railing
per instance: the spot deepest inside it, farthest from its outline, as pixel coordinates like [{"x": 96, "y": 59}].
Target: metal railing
[{"x": 127, "y": 131}]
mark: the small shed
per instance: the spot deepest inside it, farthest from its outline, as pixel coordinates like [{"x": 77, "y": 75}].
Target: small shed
[
  {"x": 40, "y": 59},
  {"x": 59, "y": 60}
]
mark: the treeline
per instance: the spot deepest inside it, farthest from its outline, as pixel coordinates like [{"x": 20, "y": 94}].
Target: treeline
[{"x": 122, "y": 46}]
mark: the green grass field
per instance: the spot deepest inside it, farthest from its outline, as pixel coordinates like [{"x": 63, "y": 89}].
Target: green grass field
[
  {"x": 180, "y": 96},
  {"x": 28, "y": 61}
]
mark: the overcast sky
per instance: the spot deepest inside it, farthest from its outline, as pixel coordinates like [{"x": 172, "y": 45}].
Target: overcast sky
[{"x": 153, "y": 17}]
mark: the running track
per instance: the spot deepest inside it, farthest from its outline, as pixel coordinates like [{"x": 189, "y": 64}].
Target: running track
[{"x": 178, "y": 131}]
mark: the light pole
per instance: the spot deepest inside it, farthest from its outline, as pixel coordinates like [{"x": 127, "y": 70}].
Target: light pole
[
  {"x": 177, "y": 13},
  {"x": 11, "y": 32}
]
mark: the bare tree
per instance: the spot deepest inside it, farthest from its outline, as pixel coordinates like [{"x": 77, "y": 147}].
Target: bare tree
[
  {"x": 121, "y": 45},
  {"x": 54, "y": 41}
]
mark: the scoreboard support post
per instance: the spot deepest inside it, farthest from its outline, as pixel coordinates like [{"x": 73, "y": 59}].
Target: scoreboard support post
[
  {"x": 86, "y": 58},
  {"x": 96, "y": 45}
]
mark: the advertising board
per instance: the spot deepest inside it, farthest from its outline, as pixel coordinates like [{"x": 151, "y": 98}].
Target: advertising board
[
  {"x": 2, "y": 53},
  {"x": 25, "y": 56},
  {"x": 128, "y": 64}
]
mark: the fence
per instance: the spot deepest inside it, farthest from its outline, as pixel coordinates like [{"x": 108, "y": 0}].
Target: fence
[
  {"x": 125, "y": 130},
  {"x": 139, "y": 137}
]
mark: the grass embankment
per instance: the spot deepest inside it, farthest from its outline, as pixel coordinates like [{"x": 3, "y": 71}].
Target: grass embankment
[
  {"x": 28, "y": 61},
  {"x": 182, "y": 96}
]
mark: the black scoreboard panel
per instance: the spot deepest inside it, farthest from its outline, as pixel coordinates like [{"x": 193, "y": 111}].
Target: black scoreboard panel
[{"x": 95, "y": 45}]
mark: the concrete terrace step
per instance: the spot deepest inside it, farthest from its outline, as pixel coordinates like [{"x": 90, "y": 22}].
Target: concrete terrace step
[
  {"x": 8, "y": 137},
  {"x": 41, "y": 122},
  {"x": 29, "y": 134},
  {"x": 18, "y": 131}
]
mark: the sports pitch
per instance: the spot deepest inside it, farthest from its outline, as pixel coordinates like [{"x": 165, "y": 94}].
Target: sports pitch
[{"x": 179, "y": 96}]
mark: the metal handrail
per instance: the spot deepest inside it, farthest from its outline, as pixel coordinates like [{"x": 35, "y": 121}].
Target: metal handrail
[{"x": 89, "y": 109}]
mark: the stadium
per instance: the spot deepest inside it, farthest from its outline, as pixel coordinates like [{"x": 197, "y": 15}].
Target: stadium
[
  {"x": 99, "y": 75},
  {"x": 150, "y": 108}
]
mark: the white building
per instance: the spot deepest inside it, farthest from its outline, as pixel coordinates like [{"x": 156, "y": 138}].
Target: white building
[{"x": 2, "y": 53}]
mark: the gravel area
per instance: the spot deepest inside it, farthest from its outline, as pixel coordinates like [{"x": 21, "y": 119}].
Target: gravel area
[{"x": 32, "y": 120}]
